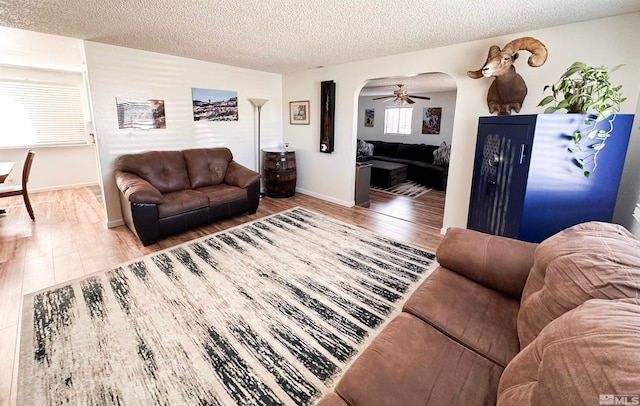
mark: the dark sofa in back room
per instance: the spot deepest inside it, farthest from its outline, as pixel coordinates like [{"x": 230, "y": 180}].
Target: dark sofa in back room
[{"x": 426, "y": 164}]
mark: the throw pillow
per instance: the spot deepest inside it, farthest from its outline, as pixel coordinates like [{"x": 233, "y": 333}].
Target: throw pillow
[
  {"x": 441, "y": 155},
  {"x": 368, "y": 149},
  {"x": 364, "y": 149}
]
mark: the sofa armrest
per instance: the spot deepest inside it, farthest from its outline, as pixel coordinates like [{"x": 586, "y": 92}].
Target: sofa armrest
[
  {"x": 332, "y": 399},
  {"x": 136, "y": 189},
  {"x": 499, "y": 263},
  {"x": 240, "y": 176}
]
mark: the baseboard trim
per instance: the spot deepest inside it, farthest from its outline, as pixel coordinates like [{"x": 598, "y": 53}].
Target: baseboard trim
[
  {"x": 115, "y": 223},
  {"x": 327, "y": 198},
  {"x": 60, "y": 187}
]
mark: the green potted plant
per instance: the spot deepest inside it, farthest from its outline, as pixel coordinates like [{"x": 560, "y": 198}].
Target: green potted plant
[{"x": 587, "y": 90}]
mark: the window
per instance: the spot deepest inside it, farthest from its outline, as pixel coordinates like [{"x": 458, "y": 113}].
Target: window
[
  {"x": 397, "y": 120},
  {"x": 39, "y": 107}
]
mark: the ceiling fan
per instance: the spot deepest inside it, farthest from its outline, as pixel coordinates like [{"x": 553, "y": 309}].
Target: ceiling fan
[{"x": 400, "y": 96}]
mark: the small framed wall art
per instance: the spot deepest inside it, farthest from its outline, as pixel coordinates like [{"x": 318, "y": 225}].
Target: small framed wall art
[
  {"x": 299, "y": 112},
  {"x": 369, "y": 115},
  {"x": 328, "y": 101},
  {"x": 431, "y": 117}
]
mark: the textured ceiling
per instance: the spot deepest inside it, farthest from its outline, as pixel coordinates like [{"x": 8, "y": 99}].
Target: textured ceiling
[
  {"x": 289, "y": 35},
  {"x": 421, "y": 85}
]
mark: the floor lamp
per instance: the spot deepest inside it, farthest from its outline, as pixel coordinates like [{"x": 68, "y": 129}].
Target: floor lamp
[{"x": 258, "y": 103}]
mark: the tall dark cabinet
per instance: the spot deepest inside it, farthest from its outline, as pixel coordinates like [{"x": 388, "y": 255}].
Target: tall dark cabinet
[{"x": 525, "y": 184}]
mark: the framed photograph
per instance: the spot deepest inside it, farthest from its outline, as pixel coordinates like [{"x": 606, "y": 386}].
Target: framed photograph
[
  {"x": 140, "y": 114},
  {"x": 299, "y": 112},
  {"x": 214, "y": 105},
  {"x": 431, "y": 120},
  {"x": 369, "y": 115}
]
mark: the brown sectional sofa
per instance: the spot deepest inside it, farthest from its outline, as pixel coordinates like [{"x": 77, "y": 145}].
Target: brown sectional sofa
[
  {"x": 513, "y": 323},
  {"x": 167, "y": 192}
]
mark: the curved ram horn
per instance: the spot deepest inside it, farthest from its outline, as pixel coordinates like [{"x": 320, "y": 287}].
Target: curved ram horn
[{"x": 538, "y": 50}]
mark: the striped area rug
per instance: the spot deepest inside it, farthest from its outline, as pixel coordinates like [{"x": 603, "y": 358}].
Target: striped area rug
[
  {"x": 408, "y": 188},
  {"x": 267, "y": 313}
]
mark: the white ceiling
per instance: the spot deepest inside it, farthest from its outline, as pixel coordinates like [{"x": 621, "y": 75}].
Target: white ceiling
[
  {"x": 290, "y": 35},
  {"x": 420, "y": 85}
]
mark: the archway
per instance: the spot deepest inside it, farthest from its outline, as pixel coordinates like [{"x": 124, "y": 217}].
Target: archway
[{"x": 384, "y": 105}]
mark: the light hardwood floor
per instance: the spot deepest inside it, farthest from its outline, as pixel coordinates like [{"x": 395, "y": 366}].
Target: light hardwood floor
[{"x": 69, "y": 239}]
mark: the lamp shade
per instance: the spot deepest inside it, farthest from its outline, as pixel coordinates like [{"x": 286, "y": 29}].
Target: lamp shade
[{"x": 258, "y": 102}]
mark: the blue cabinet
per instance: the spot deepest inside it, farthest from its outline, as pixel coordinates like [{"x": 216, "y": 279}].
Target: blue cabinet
[{"x": 526, "y": 184}]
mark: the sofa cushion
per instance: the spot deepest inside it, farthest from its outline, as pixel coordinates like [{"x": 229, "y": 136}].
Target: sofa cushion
[
  {"x": 181, "y": 201},
  {"x": 223, "y": 193},
  {"x": 411, "y": 363},
  {"x": 588, "y": 261},
  {"x": 414, "y": 152},
  {"x": 384, "y": 148},
  {"x": 578, "y": 359},
  {"x": 165, "y": 170},
  {"x": 332, "y": 399},
  {"x": 484, "y": 320},
  {"x": 207, "y": 166}
]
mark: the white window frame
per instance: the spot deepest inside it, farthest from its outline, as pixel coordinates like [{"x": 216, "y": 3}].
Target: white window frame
[
  {"x": 40, "y": 107},
  {"x": 397, "y": 120}
]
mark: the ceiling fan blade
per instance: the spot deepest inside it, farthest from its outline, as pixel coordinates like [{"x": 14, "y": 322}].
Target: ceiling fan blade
[
  {"x": 383, "y": 97},
  {"x": 409, "y": 100},
  {"x": 419, "y": 97}
]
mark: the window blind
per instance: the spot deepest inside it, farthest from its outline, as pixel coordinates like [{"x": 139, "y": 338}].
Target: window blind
[
  {"x": 34, "y": 113},
  {"x": 397, "y": 120}
]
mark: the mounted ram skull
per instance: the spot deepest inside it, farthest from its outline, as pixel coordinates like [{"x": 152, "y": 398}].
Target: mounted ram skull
[{"x": 508, "y": 90}]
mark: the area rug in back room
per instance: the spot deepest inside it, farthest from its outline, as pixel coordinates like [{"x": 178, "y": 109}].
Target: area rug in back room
[
  {"x": 269, "y": 312},
  {"x": 408, "y": 188}
]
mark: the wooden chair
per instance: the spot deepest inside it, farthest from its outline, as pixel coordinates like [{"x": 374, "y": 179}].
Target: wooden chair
[{"x": 22, "y": 190}]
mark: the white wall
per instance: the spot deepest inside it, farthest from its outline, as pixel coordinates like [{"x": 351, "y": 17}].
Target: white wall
[
  {"x": 129, "y": 73},
  {"x": 446, "y": 100},
  {"x": 53, "y": 167},
  {"x": 609, "y": 41},
  {"x": 629, "y": 195}
]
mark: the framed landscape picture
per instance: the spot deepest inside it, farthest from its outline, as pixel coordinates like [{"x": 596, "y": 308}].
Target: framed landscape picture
[
  {"x": 214, "y": 105},
  {"x": 299, "y": 112}
]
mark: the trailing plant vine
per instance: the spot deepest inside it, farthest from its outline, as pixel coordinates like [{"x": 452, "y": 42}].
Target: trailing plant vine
[{"x": 587, "y": 90}]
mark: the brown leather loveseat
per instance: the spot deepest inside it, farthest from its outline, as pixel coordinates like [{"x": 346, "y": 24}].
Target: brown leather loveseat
[
  {"x": 513, "y": 323},
  {"x": 167, "y": 192}
]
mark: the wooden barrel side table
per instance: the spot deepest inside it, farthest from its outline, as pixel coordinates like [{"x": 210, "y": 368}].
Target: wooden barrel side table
[{"x": 280, "y": 172}]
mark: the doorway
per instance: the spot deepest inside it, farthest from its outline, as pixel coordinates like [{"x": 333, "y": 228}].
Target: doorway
[{"x": 408, "y": 121}]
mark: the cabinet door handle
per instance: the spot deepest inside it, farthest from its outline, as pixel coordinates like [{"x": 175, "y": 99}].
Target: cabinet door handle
[{"x": 522, "y": 154}]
